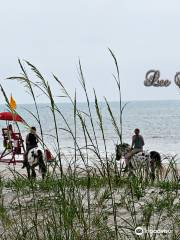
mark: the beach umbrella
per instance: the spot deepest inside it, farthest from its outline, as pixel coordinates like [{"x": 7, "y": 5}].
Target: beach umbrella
[{"x": 9, "y": 116}]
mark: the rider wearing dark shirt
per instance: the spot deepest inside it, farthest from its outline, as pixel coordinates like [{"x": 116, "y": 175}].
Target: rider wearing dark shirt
[{"x": 31, "y": 142}]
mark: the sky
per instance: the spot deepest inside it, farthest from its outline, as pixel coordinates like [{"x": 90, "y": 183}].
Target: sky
[{"x": 54, "y": 35}]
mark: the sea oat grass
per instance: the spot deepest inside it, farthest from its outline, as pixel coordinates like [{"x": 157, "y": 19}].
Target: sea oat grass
[{"x": 88, "y": 200}]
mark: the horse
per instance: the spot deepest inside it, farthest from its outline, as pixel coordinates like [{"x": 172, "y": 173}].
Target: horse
[
  {"x": 150, "y": 162},
  {"x": 36, "y": 157}
]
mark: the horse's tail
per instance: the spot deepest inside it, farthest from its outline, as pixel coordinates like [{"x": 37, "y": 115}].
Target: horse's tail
[
  {"x": 159, "y": 161},
  {"x": 160, "y": 165},
  {"x": 118, "y": 153},
  {"x": 42, "y": 165}
]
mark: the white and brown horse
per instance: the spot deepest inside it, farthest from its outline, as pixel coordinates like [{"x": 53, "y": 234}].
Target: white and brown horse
[
  {"x": 149, "y": 162},
  {"x": 36, "y": 157}
]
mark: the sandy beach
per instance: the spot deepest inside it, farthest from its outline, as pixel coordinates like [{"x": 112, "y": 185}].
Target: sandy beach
[{"x": 96, "y": 201}]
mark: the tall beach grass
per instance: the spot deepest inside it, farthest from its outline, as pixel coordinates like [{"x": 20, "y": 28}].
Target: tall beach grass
[{"x": 85, "y": 201}]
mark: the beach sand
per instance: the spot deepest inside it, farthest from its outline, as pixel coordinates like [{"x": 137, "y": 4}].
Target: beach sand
[{"x": 122, "y": 198}]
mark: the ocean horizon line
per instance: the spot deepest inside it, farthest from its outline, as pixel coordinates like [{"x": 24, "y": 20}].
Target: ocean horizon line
[{"x": 101, "y": 101}]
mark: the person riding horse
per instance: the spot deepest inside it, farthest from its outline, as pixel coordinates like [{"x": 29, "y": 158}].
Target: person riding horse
[
  {"x": 34, "y": 156},
  {"x": 136, "y": 158},
  {"x": 136, "y": 147},
  {"x": 31, "y": 142}
]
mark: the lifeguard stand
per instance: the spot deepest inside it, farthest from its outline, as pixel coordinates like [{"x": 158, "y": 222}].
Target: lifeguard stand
[{"x": 13, "y": 147}]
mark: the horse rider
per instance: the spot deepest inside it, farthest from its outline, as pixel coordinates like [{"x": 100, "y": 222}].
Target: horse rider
[
  {"x": 136, "y": 147},
  {"x": 31, "y": 142}
]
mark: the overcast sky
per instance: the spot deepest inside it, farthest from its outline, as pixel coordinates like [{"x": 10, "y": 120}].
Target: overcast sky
[{"x": 54, "y": 34}]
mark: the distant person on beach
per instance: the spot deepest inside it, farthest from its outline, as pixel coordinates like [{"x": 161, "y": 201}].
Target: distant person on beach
[
  {"x": 10, "y": 132},
  {"x": 136, "y": 146},
  {"x": 31, "y": 142},
  {"x": 8, "y": 137},
  {"x": 10, "y": 129}
]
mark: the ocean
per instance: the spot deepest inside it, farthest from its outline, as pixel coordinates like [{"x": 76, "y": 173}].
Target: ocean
[{"x": 159, "y": 122}]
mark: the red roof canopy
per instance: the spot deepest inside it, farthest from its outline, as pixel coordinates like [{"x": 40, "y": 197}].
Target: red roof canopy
[{"x": 9, "y": 116}]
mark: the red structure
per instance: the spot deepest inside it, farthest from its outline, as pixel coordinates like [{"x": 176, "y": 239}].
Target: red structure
[
  {"x": 12, "y": 141},
  {"x": 13, "y": 147},
  {"x": 9, "y": 116}
]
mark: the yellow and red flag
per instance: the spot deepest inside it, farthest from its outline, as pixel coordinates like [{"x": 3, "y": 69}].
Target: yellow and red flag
[{"x": 12, "y": 103}]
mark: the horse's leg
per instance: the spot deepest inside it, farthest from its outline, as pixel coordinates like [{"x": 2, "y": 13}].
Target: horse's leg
[
  {"x": 152, "y": 166},
  {"x": 161, "y": 172},
  {"x": 43, "y": 175},
  {"x": 43, "y": 170},
  {"x": 146, "y": 173},
  {"x": 130, "y": 156},
  {"x": 156, "y": 172},
  {"x": 118, "y": 153},
  {"x": 152, "y": 176},
  {"x": 147, "y": 170},
  {"x": 127, "y": 158},
  {"x": 28, "y": 171},
  {"x": 130, "y": 164},
  {"x": 158, "y": 167},
  {"x": 33, "y": 175},
  {"x": 42, "y": 165}
]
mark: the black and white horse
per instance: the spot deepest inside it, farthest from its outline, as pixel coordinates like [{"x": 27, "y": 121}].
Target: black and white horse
[
  {"x": 36, "y": 157},
  {"x": 150, "y": 162}
]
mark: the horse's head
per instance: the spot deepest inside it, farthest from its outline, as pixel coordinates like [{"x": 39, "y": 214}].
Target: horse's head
[
  {"x": 121, "y": 150},
  {"x": 35, "y": 156}
]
